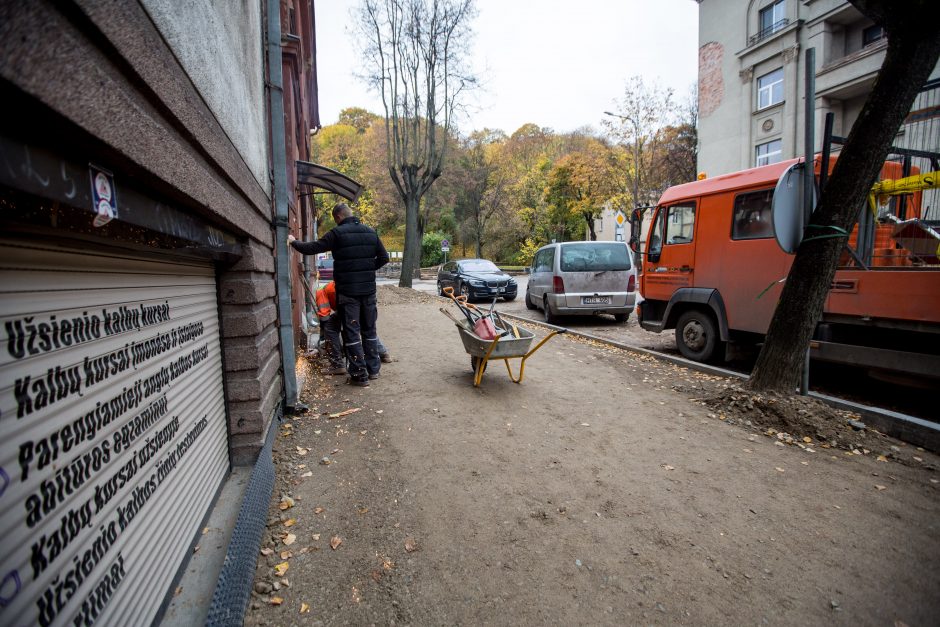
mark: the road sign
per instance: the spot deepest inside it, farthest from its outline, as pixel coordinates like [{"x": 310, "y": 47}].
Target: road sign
[
  {"x": 620, "y": 218},
  {"x": 445, "y": 246}
]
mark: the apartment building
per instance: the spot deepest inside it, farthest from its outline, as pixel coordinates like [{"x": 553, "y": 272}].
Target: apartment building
[{"x": 752, "y": 79}]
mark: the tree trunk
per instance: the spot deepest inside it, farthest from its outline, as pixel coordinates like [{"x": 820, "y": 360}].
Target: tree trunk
[
  {"x": 411, "y": 257},
  {"x": 911, "y": 56},
  {"x": 589, "y": 218}
]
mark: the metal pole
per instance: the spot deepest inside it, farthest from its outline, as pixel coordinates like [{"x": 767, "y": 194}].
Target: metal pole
[{"x": 809, "y": 179}]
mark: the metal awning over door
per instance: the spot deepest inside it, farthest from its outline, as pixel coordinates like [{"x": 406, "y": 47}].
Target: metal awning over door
[
  {"x": 311, "y": 175},
  {"x": 112, "y": 430}
]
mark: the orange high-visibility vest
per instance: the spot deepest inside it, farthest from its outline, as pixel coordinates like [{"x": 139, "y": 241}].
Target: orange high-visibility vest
[{"x": 326, "y": 300}]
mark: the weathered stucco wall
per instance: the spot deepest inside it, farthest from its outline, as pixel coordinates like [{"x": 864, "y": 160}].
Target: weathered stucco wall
[{"x": 219, "y": 44}]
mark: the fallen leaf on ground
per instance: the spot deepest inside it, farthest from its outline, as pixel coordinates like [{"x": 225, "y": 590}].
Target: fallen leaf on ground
[
  {"x": 808, "y": 440},
  {"x": 281, "y": 568},
  {"x": 880, "y": 487},
  {"x": 346, "y": 412},
  {"x": 205, "y": 530},
  {"x": 196, "y": 549},
  {"x": 286, "y": 555},
  {"x": 276, "y": 600},
  {"x": 290, "y": 522},
  {"x": 286, "y": 503},
  {"x": 410, "y": 545},
  {"x": 307, "y": 474},
  {"x": 881, "y": 458},
  {"x": 304, "y": 608},
  {"x": 668, "y": 467},
  {"x": 335, "y": 541},
  {"x": 318, "y": 510},
  {"x": 289, "y": 539},
  {"x": 363, "y": 510},
  {"x": 779, "y": 469},
  {"x": 302, "y": 451},
  {"x": 316, "y": 536},
  {"x": 266, "y": 551},
  {"x": 179, "y": 591}
]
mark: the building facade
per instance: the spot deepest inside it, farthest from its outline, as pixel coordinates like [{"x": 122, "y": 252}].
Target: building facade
[
  {"x": 149, "y": 308},
  {"x": 752, "y": 77}
]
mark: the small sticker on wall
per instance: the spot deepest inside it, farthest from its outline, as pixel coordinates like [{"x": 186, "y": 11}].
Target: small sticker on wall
[{"x": 103, "y": 195}]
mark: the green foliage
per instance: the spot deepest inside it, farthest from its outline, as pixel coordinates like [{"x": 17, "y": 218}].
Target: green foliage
[
  {"x": 527, "y": 251},
  {"x": 431, "y": 254}
]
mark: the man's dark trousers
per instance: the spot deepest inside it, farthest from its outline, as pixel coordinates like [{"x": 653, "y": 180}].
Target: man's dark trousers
[{"x": 361, "y": 340}]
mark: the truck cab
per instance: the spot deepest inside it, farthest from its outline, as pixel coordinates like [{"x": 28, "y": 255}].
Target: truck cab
[{"x": 713, "y": 271}]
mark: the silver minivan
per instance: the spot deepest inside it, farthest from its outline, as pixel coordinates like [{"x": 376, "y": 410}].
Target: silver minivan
[{"x": 582, "y": 279}]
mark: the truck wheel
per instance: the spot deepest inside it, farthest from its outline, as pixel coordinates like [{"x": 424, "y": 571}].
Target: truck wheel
[
  {"x": 696, "y": 335},
  {"x": 528, "y": 301}
]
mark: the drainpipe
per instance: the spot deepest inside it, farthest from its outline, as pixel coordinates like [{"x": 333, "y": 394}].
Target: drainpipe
[{"x": 279, "y": 157}]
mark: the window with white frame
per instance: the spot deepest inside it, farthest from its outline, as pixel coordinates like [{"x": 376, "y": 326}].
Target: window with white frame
[
  {"x": 768, "y": 153},
  {"x": 770, "y": 89},
  {"x": 772, "y": 18}
]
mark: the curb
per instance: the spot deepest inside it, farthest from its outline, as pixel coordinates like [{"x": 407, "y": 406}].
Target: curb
[{"x": 909, "y": 429}]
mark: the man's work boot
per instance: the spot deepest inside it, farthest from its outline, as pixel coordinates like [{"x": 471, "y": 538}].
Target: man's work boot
[
  {"x": 359, "y": 383},
  {"x": 386, "y": 358},
  {"x": 374, "y": 376},
  {"x": 334, "y": 370}
]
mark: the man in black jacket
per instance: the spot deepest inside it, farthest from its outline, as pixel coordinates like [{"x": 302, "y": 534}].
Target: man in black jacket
[{"x": 357, "y": 254}]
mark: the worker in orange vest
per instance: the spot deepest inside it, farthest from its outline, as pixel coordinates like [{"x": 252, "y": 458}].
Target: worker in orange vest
[{"x": 331, "y": 331}]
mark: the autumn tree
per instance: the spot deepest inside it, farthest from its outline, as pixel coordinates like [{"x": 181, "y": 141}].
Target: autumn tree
[
  {"x": 415, "y": 54},
  {"x": 580, "y": 184},
  {"x": 641, "y": 114},
  {"x": 359, "y": 118},
  {"x": 912, "y": 53},
  {"x": 485, "y": 181}
]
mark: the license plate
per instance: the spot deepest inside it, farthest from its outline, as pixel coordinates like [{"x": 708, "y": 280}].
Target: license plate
[
  {"x": 502, "y": 290},
  {"x": 595, "y": 300}
]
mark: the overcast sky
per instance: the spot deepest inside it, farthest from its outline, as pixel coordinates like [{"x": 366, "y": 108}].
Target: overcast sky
[{"x": 555, "y": 63}]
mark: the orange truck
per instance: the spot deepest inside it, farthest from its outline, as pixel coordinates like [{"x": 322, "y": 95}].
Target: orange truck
[{"x": 713, "y": 271}]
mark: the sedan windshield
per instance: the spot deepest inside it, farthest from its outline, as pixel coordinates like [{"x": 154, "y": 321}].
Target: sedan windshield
[{"x": 478, "y": 265}]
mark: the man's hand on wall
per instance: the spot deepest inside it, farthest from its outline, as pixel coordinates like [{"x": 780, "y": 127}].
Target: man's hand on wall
[{"x": 290, "y": 238}]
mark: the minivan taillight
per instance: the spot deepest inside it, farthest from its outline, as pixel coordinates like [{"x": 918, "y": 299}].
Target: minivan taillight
[
  {"x": 631, "y": 285},
  {"x": 558, "y": 286}
]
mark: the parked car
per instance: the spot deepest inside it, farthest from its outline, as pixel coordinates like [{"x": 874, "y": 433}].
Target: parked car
[
  {"x": 325, "y": 268},
  {"x": 583, "y": 279},
  {"x": 477, "y": 279}
]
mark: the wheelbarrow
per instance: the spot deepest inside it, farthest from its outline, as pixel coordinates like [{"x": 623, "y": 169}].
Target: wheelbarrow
[{"x": 514, "y": 344}]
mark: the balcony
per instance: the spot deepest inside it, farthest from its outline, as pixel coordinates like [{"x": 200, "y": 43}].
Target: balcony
[{"x": 767, "y": 31}]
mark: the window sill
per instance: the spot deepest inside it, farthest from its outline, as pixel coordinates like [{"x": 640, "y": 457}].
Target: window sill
[{"x": 769, "y": 108}]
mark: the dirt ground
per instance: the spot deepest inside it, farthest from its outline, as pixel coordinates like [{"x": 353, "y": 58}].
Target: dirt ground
[{"x": 607, "y": 488}]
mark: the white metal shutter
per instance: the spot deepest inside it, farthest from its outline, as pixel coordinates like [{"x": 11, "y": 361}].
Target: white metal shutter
[{"x": 112, "y": 430}]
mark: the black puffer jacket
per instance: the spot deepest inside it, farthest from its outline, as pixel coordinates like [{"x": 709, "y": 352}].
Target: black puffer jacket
[{"x": 357, "y": 254}]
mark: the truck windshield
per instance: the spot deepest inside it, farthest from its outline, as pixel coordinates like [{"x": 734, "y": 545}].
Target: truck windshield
[{"x": 594, "y": 257}]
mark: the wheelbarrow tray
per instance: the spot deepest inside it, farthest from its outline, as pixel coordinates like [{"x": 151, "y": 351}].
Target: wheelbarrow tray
[{"x": 508, "y": 346}]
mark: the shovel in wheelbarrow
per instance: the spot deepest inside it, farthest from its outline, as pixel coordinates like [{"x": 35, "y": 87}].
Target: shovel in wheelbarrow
[{"x": 481, "y": 323}]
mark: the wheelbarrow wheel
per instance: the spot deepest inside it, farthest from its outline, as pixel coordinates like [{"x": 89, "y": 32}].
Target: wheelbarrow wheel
[{"x": 476, "y": 360}]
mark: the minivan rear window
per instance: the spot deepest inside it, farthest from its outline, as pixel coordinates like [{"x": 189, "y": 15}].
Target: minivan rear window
[{"x": 594, "y": 257}]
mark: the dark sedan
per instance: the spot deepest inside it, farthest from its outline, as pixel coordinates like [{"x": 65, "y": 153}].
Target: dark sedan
[{"x": 477, "y": 279}]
